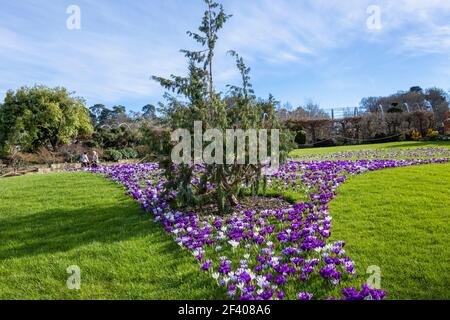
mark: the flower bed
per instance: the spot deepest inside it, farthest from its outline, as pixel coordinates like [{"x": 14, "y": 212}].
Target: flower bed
[{"x": 267, "y": 254}]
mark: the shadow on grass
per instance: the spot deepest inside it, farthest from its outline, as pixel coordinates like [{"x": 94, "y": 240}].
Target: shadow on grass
[
  {"x": 61, "y": 230},
  {"x": 58, "y": 231},
  {"x": 124, "y": 254}
]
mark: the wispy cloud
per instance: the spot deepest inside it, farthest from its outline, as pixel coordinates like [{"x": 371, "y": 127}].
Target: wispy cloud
[
  {"x": 436, "y": 40},
  {"x": 122, "y": 43}
]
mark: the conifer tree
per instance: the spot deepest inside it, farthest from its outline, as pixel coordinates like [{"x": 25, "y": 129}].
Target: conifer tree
[{"x": 220, "y": 183}]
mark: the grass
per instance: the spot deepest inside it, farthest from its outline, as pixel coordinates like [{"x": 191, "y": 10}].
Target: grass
[
  {"x": 398, "y": 219},
  {"x": 50, "y": 222},
  {"x": 391, "y": 145}
]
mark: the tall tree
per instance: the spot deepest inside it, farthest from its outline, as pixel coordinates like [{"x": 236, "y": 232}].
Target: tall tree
[
  {"x": 41, "y": 116},
  {"x": 201, "y": 102}
]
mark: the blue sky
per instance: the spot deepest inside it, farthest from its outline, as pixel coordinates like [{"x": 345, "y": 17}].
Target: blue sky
[{"x": 299, "y": 50}]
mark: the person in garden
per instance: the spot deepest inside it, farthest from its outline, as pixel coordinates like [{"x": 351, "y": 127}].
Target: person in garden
[
  {"x": 84, "y": 160},
  {"x": 95, "y": 160}
]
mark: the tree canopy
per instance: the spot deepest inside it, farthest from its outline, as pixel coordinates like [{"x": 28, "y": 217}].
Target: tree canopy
[{"x": 40, "y": 116}]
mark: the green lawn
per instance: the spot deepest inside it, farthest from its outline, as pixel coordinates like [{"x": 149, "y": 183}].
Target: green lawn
[
  {"x": 398, "y": 219},
  {"x": 391, "y": 145},
  {"x": 50, "y": 222}
]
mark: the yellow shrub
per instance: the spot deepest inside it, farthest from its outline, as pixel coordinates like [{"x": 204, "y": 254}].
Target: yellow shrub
[
  {"x": 432, "y": 134},
  {"x": 415, "y": 135}
]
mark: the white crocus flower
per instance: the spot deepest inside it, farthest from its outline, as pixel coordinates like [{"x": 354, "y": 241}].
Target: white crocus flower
[
  {"x": 234, "y": 244},
  {"x": 274, "y": 261},
  {"x": 261, "y": 281}
]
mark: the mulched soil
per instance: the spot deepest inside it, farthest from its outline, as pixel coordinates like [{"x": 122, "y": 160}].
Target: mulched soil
[
  {"x": 263, "y": 203},
  {"x": 251, "y": 203}
]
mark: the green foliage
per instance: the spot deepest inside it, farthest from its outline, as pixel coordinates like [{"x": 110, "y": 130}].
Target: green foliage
[
  {"x": 415, "y": 135},
  {"x": 149, "y": 111},
  {"x": 129, "y": 153},
  {"x": 432, "y": 134},
  {"x": 39, "y": 116},
  {"x": 395, "y": 109},
  {"x": 49, "y": 222},
  {"x": 116, "y": 137},
  {"x": 114, "y": 155},
  {"x": 121, "y": 154},
  {"x": 300, "y": 137}
]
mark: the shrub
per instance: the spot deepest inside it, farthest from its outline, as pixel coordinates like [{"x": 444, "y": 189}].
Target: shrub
[
  {"x": 415, "y": 135},
  {"x": 91, "y": 144},
  {"x": 300, "y": 137},
  {"x": 129, "y": 153},
  {"x": 395, "y": 109},
  {"x": 432, "y": 134},
  {"x": 114, "y": 155}
]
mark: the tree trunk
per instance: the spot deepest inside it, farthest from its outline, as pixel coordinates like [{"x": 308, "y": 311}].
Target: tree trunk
[{"x": 232, "y": 200}]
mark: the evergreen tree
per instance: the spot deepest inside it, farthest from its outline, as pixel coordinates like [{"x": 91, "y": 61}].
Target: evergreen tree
[{"x": 201, "y": 102}]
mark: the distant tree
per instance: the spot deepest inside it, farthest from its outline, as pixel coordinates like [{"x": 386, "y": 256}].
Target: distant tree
[
  {"x": 423, "y": 120},
  {"x": 96, "y": 111},
  {"x": 416, "y": 89},
  {"x": 105, "y": 117},
  {"x": 314, "y": 111},
  {"x": 393, "y": 120},
  {"x": 149, "y": 111},
  {"x": 315, "y": 129},
  {"x": 119, "y": 110},
  {"x": 41, "y": 116},
  {"x": 135, "y": 116},
  {"x": 116, "y": 137},
  {"x": 416, "y": 99},
  {"x": 288, "y": 106},
  {"x": 439, "y": 101},
  {"x": 309, "y": 111},
  {"x": 370, "y": 104}
]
